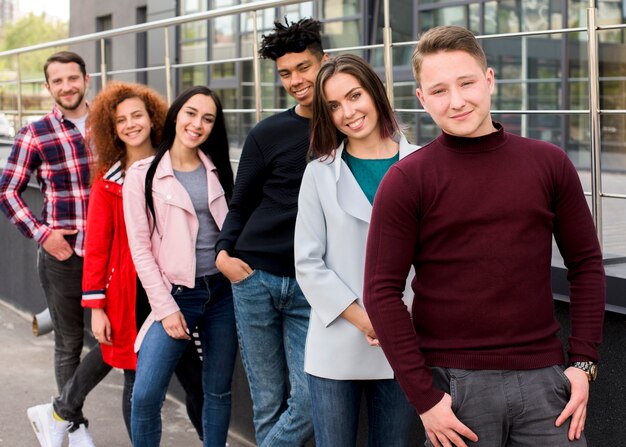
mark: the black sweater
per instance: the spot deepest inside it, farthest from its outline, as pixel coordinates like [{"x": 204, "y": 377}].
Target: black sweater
[{"x": 259, "y": 228}]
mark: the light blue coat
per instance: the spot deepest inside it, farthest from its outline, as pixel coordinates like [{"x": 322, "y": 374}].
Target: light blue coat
[{"x": 330, "y": 239}]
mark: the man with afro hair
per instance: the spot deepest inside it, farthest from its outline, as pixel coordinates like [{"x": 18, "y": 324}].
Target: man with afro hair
[{"x": 255, "y": 247}]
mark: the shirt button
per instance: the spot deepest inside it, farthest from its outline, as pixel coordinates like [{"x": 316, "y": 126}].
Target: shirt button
[{"x": 168, "y": 197}]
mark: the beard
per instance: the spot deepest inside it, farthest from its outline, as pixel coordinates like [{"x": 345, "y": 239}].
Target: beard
[{"x": 72, "y": 104}]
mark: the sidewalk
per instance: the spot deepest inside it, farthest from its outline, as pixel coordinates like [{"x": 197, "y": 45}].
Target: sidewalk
[{"x": 27, "y": 379}]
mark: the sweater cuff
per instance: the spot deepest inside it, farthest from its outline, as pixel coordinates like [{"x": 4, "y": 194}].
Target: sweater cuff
[
  {"x": 223, "y": 245},
  {"x": 427, "y": 400}
]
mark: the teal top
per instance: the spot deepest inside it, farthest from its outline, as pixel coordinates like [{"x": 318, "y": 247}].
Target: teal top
[{"x": 368, "y": 172}]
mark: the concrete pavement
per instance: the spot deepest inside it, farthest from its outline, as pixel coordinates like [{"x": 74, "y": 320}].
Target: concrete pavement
[{"x": 27, "y": 379}]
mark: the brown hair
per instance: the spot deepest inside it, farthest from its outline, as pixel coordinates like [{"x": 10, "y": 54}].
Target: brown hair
[
  {"x": 446, "y": 38},
  {"x": 324, "y": 134},
  {"x": 101, "y": 121},
  {"x": 65, "y": 57}
]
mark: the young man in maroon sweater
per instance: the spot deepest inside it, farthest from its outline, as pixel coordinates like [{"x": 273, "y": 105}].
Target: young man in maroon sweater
[{"x": 475, "y": 211}]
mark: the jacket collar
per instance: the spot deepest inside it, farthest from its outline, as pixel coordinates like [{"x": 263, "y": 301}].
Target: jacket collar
[
  {"x": 115, "y": 173},
  {"x": 177, "y": 195},
  {"x": 165, "y": 169},
  {"x": 350, "y": 196}
]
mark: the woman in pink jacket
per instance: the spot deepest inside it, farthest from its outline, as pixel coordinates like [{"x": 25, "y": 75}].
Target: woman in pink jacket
[
  {"x": 174, "y": 206},
  {"x": 126, "y": 123}
]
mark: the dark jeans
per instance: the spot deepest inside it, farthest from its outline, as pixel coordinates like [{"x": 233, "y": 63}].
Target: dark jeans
[
  {"x": 509, "y": 408},
  {"x": 336, "y": 407},
  {"x": 62, "y": 285}
]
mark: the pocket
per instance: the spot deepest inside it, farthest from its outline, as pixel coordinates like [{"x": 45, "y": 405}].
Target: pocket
[
  {"x": 564, "y": 380},
  {"x": 241, "y": 281},
  {"x": 177, "y": 290},
  {"x": 460, "y": 384}
]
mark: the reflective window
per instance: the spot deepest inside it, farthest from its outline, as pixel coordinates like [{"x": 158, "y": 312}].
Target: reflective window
[
  {"x": 453, "y": 15},
  {"x": 223, "y": 41}
]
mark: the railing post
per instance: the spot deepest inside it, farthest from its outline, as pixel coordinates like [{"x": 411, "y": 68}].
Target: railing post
[
  {"x": 388, "y": 56},
  {"x": 256, "y": 66},
  {"x": 594, "y": 119},
  {"x": 19, "y": 92},
  {"x": 103, "y": 63},
  {"x": 168, "y": 66}
]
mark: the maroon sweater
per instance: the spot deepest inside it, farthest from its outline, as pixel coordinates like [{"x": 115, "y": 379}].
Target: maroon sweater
[{"x": 475, "y": 217}]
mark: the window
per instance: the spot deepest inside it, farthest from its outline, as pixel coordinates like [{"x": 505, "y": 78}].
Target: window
[
  {"x": 104, "y": 23},
  {"x": 141, "y": 46}
]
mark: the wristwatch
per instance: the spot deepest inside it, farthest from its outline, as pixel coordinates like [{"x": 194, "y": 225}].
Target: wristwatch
[{"x": 590, "y": 368}]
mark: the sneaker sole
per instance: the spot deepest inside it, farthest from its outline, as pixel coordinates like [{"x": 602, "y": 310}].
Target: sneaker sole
[{"x": 36, "y": 424}]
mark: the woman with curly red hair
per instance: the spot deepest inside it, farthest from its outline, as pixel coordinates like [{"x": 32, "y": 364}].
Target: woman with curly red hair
[{"x": 126, "y": 124}]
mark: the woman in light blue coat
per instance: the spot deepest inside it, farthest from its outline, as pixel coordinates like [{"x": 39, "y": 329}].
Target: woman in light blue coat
[{"x": 342, "y": 357}]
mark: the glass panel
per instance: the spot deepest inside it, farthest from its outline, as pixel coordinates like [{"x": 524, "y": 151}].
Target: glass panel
[
  {"x": 535, "y": 15},
  {"x": 578, "y": 98},
  {"x": 339, "y": 9},
  {"x": 577, "y": 13},
  {"x": 341, "y": 34},
  {"x": 613, "y": 217},
  {"x": 578, "y": 142},
  {"x": 610, "y": 13},
  {"x": 474, "y": 18},
  {"x": 502, "y": 17},
  {"x": 223, "y": 46},
  {"x": 194, "y": 31},
  {"x": 296, "y": 12},
  {"x": 612, "y": 59},
  {"x": 454, "y": 15},
  {"x": 193, "y": 76},
  {"x": 193, "y": 52}
]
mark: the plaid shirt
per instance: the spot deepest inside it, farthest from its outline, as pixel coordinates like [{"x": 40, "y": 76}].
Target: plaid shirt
[{"x": 54, "y": 149}]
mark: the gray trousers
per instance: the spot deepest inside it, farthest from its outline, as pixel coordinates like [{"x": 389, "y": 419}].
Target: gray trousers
[{"x": 509, "y": 408}]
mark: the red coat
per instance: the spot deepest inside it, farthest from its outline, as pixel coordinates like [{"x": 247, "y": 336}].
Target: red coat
[{"x": 109, "y": 278}]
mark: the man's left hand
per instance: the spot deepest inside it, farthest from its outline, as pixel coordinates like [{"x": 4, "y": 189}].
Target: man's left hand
[{"x": 576, "y": 408}]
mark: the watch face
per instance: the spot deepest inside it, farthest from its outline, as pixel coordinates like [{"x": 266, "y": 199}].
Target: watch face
[{"x": 593, "y": 372}]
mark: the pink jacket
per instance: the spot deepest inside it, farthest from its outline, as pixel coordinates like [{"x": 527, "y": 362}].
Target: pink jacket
[{"x": 167, "y": 256}]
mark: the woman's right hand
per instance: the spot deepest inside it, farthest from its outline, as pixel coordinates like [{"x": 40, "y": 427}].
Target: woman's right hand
[
  {"x": 176, "y": 326},
  {"x": 232, "y": 268},
  {"x": 356, "y": 315},
  {"x": 101, "y": 326}
]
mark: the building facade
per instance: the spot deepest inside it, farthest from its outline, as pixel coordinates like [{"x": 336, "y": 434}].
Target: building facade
[{"x": 538, "y": 49}]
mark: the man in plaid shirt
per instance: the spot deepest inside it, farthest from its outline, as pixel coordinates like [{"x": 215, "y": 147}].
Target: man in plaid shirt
[{"x": 54, "y": 150}]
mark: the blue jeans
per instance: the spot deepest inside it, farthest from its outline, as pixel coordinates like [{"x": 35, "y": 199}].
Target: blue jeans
[
  {"x": 509, "y": 408},
  {"x": 272, "y": 322},
  {"x": 336, "y": 406},
  {"x": 209, "y": 306}
]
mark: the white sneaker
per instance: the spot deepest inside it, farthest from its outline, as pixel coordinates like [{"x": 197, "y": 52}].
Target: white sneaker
[
  {"x": 81, "y": 437},
  {"x": 49, "y": 431}
]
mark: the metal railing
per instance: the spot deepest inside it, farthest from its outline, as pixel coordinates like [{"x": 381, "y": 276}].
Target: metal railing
[{"x": 592, "y": 29}]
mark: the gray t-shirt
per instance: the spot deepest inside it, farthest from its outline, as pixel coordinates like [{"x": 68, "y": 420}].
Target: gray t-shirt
[{"x": 195, "y": 182}]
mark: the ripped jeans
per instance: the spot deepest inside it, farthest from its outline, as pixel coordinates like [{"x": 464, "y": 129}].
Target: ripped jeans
[{"x": 209, "y": 306}]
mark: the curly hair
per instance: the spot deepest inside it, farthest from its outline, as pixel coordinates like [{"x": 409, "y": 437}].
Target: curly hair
[
  {"x": 101, "y": 121},
  {"x": 294, "y": 37}
]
